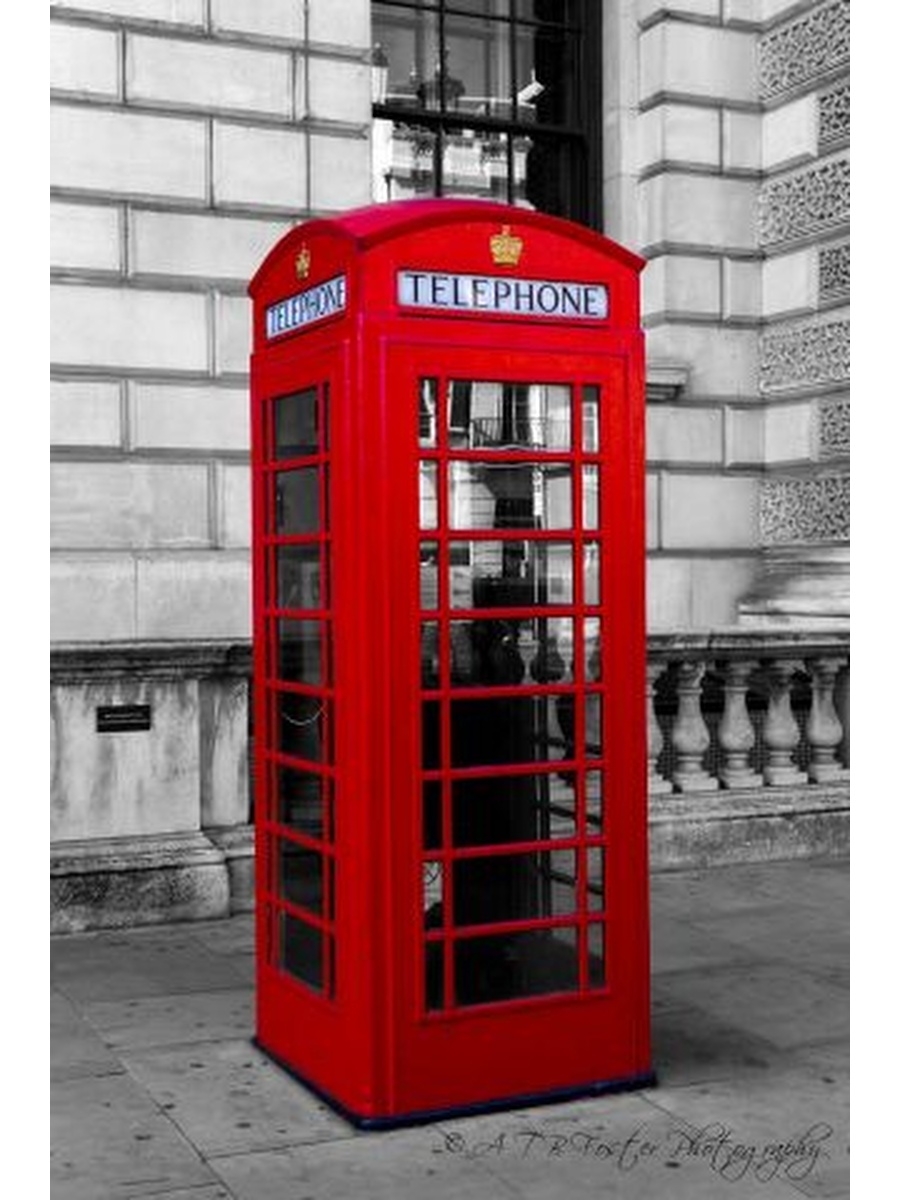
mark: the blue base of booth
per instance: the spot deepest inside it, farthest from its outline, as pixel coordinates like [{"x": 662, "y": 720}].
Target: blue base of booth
[{"x": 605, "y": 1087}]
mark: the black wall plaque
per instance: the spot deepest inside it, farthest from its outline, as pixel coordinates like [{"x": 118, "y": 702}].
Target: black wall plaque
[{"x": 123, "y": 718}]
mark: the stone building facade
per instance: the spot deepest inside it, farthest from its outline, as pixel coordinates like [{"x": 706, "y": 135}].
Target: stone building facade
[{"x": 188, "y": 136}]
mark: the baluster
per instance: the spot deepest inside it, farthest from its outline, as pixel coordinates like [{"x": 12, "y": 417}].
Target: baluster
[
  {"x": 736, "y": 733},
  {"x": 842, "y": 704},
  {"x": 657, "y": 785},
  {"x": 781, "y": 733},
  {"x": 690, "y": 737},
  {"x": 823, "y": 729}
]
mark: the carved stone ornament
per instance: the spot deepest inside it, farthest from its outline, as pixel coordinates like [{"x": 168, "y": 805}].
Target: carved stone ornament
[
  {"x": 834, "y": 429},
  {"x": 805, "y": 510},
  {"x": 834, "y": 115},
  {"x": 806, "y": 203},
  {"x": 834, "y": 271},
  {"x": 800, "y": 51},
  {"x": 800, "y": 356}
]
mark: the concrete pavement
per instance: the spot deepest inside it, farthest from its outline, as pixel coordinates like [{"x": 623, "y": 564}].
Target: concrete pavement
[{"x": 157, "y": 1090}]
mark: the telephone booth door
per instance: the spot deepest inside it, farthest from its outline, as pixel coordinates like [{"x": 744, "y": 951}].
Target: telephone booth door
[
  {"x": 449, "y": 661},
  {"x": 522, "y": 964}
]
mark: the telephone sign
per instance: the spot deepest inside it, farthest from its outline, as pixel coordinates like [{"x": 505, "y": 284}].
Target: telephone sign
[{"x": 449, "y": 648}]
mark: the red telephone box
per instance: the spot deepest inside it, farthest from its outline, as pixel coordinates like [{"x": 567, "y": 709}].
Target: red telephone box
[{"x": 447, "y": 432}]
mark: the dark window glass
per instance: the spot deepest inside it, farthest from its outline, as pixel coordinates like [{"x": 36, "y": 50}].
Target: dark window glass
[
  {"x": 303, "y": 802},
  {"x": 297, "y": 425},
  {"x": 513, "y": 965},
  {"x": 467, "y": 92},
  {"x": 303, "y": 951}
]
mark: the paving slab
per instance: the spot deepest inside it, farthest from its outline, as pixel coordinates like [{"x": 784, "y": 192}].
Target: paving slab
[
  {"x": 678, "y": 944},
  {"x": 231, "y": 935},
  {"x": 76, "y": 1049},
  {"x": 617, "y": 1147},
  {"x": 770, "y": 1000},
  {"x": 391, "y": 1165},
  {"x": 110, "y": 1141},
  {"x": 793, "y": 1127},
  {"x": 228, "y": 1097},
  {"x": 123, "y": 966},
  {"x": 690, "y": 1046},
  {"x": 171, "y": 1020}
]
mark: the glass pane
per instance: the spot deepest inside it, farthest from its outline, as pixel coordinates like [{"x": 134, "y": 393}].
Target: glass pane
[
  {"x": 509, "y": 415},
  {"x": 427, "y": 413},
  {"x": 510, "y": 496},
  {"x": 590, "y": 418},
  {"x": 296, "y": 425},
  {"x": 302, "y": 951},
  {"x": 493, "y": 574},
  {"x": 590, "y": 497},
  {"x": 297, "y": 501},
  {"x": 593, "y": 786},
  {"x": 593, "y": 725},
  {"x": 405, "y": 49},
  {"x": 511, "y": 808},
  {"x": 546, "y": 70},
  {"x": 595, "y": 877},
  {"x": 431, "y": 735},
  {"x": 428, "y": 575},
  {"x": 433, "y": 894},
  {"x": 434, "y": 975},
  {"x": 591, "y": 565},
  {"x": 303, "y": 802},
  {"x": 509, "y": 966},
  {"x": 593, "y": 650},
  {"x": 304, "y": 727},
  {"x": 498, "y": 730},
  {"x": 430, "y": 655},
  {"x": 432, "y": 827},
  {"x": 300, "y": 579},
  {"x": 496, "y": 651},
  {"x": 301, "y": 877},
  {"x": 303, "y": 651},
  {"x": 513, "y": 887},
  {"x": 428, "y": 507},
  {"x": 404, "y": 160},
  {"x": 596, "y": 956}
]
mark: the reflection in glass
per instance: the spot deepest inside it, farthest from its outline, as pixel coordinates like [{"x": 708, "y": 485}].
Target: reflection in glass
[
  {"x": 430, "y": 654},
  {"x": 428, "y": 575},
  {"x": 302, "y": 651},
  {"x": 300, "y": 581},
  {"x": 296, "y": 426},
  {"x": 514, "y": 965},
  {"x": 590, "y": 497},
  {"x": 303, "y": 802},
  {"x": 486, "y": 415},
  {"x": 427, "y": 413},
  {"x": 593, "y": 725},
  {"x": 591, "y": 566},
  {"x": 487, "y": 495},
  {"x": 595, "y": 877},
  {"x": 301, "y": 875},
  {"x": 297, "y": 501},
  {"x": 593, "y": 650},
  {"x": 590, "y": 418},
  {"x": 491, "y": 574},
  {"x": 428, "y": 507},
  {"x": 492, "y": 650},
  {"x": 593, "y": 787},
  {"x": 433, "y": 894},
  {"x": 304, "y": 727}
]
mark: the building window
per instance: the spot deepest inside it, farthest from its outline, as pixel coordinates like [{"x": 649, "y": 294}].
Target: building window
[{"x": 491, "y": 98}]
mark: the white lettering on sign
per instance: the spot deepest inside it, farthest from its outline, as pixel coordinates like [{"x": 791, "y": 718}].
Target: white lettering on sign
[
  {"x": 314, "y": 304},
  {"x": 498, "y": 294}
]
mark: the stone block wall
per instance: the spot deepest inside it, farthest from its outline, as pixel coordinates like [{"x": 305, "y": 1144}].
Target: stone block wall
[
  {"x": 187, "y": 136},
  {"x": 729, "y": 171}
]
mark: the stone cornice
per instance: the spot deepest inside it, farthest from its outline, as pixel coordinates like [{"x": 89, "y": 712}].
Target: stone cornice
[{"x": 84, "y": 661}]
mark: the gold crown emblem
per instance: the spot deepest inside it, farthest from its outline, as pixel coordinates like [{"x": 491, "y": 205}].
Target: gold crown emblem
[
  {"x": 506, "y": 248},
  {"x": 302, "y": 262}
]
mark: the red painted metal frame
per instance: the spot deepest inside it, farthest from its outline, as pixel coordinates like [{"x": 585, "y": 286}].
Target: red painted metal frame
[{"x": 365, "y": 1038}]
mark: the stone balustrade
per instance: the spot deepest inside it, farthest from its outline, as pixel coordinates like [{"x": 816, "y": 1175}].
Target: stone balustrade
[{"x": 747, "y": 709}]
